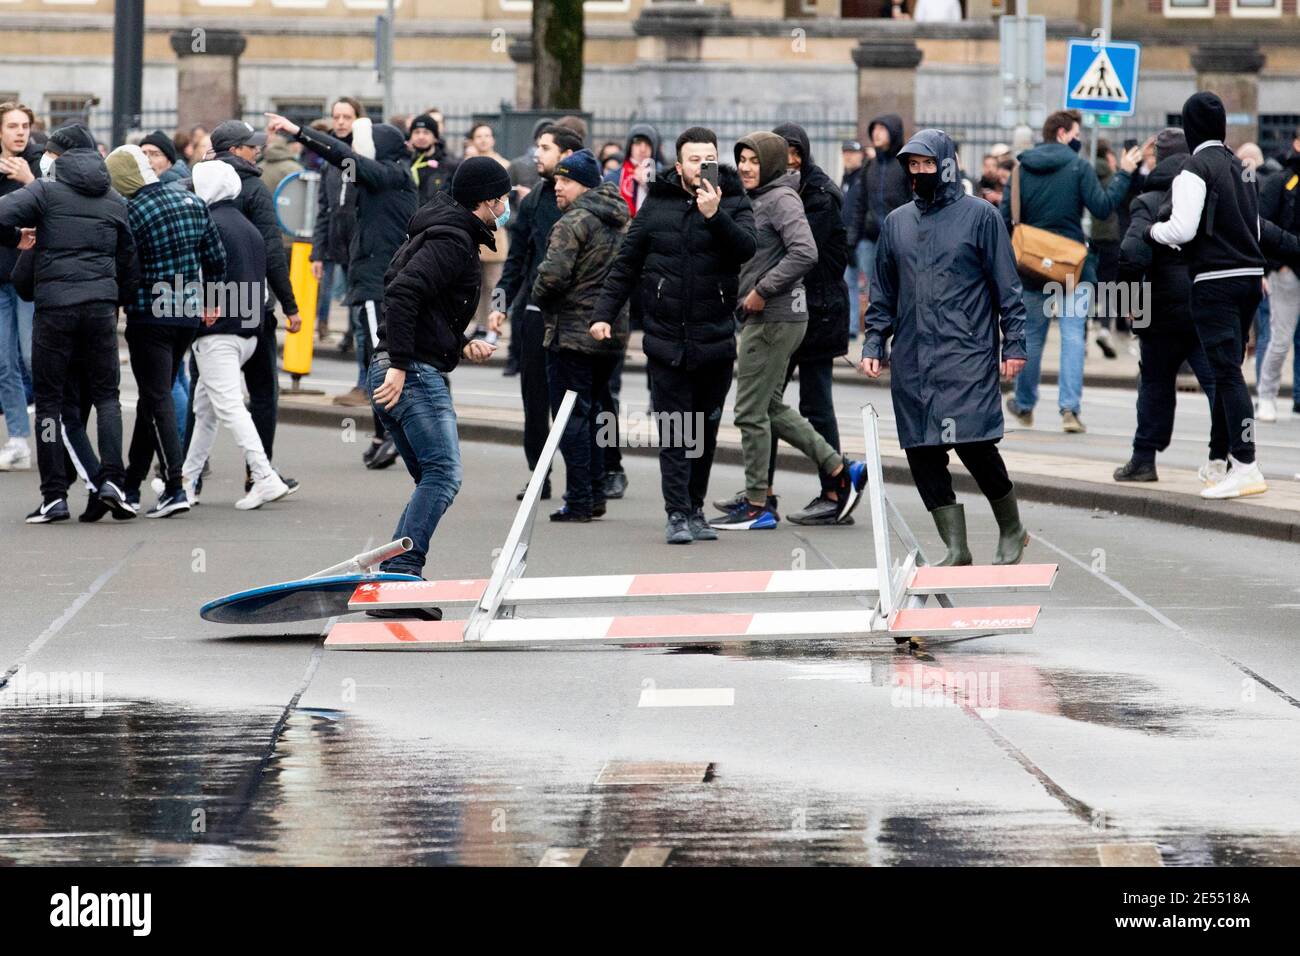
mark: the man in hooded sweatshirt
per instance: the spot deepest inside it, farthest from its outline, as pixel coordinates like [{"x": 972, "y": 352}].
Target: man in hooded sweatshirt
[
  {"x": 177, "y": 246},
  {"x": 580, "y": 353},
  {"x": 641, "y": 166},
  {"x": 775, "y": 309},
  {"x": 1056, "y": 185},
  {"x": 84, "y": 267},
  {"x": 946, "y": 289},
  {"x": 431, "y": 292},
  {"x": 881, "y": 189},
  {"x": 226, "y": 339},
  {"x": 386, "y": 199},
  {"x": 1214, "y": 217}
]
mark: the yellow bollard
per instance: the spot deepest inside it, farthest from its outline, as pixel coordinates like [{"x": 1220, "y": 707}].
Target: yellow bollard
[{"x": 298, "y": 345}]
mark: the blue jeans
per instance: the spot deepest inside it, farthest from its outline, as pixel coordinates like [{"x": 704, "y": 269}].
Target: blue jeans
[
  {"x": 181, "y": 399},
  {"x": 15, "y": 359},
  {"x": 861, "y": 263},
  {"x": 1074, "y": 325},
  {"x": 422, "y": 426}
]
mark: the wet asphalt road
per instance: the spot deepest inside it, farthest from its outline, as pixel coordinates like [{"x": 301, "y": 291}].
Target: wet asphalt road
[{"x": 1155, "y": 706}]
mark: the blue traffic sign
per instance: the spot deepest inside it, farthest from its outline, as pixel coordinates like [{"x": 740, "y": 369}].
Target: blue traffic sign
[{"x": 1102, "y": 77}]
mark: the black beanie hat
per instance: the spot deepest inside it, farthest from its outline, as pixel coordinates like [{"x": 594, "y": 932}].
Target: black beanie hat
[
  {"x": 1204, "y": 118},
  {"x": 1170, "y": 141},
  {"x": 163, "y": 142},
  {"x": 73, "y": 136},
  {"x": 424, "y": 121},
  {"x": 479, "y": 178}
]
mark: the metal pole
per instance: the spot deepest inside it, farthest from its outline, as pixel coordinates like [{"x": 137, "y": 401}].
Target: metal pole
[
  {"x": 1105, "y": 38},
  {"x": 390, "y": 107},
  {"x": 1022, "y": 62},
  {"x": 128, "y": 67}
]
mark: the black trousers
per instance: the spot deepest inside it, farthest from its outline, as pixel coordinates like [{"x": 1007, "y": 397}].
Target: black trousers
[
  {"x": 586, "y": 440},
  {"x": 533, "y": 388},
  {"x": 88, "y": 334},
  {"x": 263, "y": 384},
  {"x": 1222, "y": 310},
  {"x": 698, "y": 395},
  {"x": 929, "y": 464},
  {"x": 815, "y": 403},
  {"x": 1163, "y": 354},
  {"x": 156, "y": 354}
]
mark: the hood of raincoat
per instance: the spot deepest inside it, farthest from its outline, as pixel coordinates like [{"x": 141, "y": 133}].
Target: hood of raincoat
[
  {"x": 771, "y": 151},
  {"x": 938, "y": 145},
  {"x": 129, "y": 169}
]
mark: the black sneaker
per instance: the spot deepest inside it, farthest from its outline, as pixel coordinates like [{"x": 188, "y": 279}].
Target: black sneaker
[
  {"x": 50, "y": 511},
  {"x": 848, "y": 485},
  {"x": 821, "y": 510},
  {"x": 564, "y": 514},
  {"x": 125, "y": 505},
  {"x": 291, "y": 483},
  {"x": 726, "y": 505},
  {"x": 384, "y": 456},
  {"x": 368, "y": 455},
  {"x": 699, "y": 527},
  {"x": 511, "y": 369},
  {"x": 1133, "y": 470},
  {"x": 678, "y": 529},
  {"x": 407, "y": 613},
  {"x": 546, "y": 491},
  {"x": 170, "y": 503},
  {"x": 615, "y": 484},
  {"x": 746, "y": 517},
  {"x": 95, "y": 509},
  {"x": 598, "y": 509}
]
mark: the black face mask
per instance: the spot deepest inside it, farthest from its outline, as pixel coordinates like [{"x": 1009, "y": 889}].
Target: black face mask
[
  {"x": 925, "y": 184},
  {"x": 1076, "y": 144}
]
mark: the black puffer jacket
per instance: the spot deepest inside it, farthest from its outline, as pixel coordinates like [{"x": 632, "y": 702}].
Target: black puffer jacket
[
  {"x": 84, "y": 250},
  {"x": 688, "y": 270},
  {"x": 1169, "y": 298},
  {"x": 883, "y": 186},
  {"x": 827, "y": 336},
  {"x": 33, "y": 155},
  {"x": 386, "y": 200},
  {"x": 256, "y": 203},
  {"x": 431, "y": 289},
  {"x": 245, "y": 282},
  {"x": 1277, "y": 201},
  {"x": 435, "y": 172},
  {"x": 336, "y": 213}
]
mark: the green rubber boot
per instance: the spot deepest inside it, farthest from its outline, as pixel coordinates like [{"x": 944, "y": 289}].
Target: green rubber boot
[
  {"x": 1012, "y": 536},
  {"x": 951, "y": 522}
]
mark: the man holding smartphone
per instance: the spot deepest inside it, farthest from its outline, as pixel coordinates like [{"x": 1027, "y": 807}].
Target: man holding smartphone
[{"x": 684, "y": 252}]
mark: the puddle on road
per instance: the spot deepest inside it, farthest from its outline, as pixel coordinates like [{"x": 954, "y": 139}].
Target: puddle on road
[{"x": 152, "y": 783}]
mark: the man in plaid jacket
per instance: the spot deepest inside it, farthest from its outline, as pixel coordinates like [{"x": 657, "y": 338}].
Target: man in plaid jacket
[{"x": 179, "y": 250}]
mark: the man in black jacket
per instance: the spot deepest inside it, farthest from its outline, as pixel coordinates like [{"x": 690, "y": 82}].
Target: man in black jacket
[
  {"x": 430, "y": 167},
  {"x": 84, "y": 267},
  {"x": 1166, "y": 334},
  {"x": 386, "y": 199},
  {"x": 883, "y": 187},
  {"x": 683, "y": 253},
  {"x": 1277, "y": 204},
  {"x": 857, "y": 269},
  {"x": 237, "y": 143},
  {"x": 1214, "y": 217},
  {"x": 336, "y": 218},
  {"x": 826, "y": 338},
  {"x": 431, "y": 293},
  {"x": 529, "y": 232}
]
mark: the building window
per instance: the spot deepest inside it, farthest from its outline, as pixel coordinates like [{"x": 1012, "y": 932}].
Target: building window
[
  {"x": 1189, "y": 8},
  {"x": 1276, "y": 132},
  {"x": 1256, "y": 8},
  {"x": 65, "y": 108},
  {"x": 591, "y": 6},
  {"x": 301, "y": 111}
]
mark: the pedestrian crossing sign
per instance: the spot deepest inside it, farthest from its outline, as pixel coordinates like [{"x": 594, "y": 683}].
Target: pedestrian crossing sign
[{"x": 1102, "y": 77}]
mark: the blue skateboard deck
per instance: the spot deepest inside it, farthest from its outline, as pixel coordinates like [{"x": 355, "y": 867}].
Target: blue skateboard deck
[{"x": 303, "y": 600}]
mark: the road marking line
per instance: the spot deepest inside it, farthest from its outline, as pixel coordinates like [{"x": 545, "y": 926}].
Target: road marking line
[
  {"x": 625, "y": 773},
  {"x": 62, "y": 620},
  {"x": 647, "y": 856},
  {"x": 688, "y": 697},
  {"x": 562, "y": 856},
  {"x": 1129, "y": 854}
]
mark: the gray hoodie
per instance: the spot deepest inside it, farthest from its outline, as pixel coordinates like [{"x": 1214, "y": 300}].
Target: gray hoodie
[{"x": 786, "y": 249}]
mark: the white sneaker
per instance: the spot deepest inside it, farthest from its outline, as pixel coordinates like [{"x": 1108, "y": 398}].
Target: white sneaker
[
  {"x": 1267, "y": 411},
  {"x": 191, "y": 491},
  {"x": 1213, "y": 471},
  {"x": 15, "y": 455},
  {"x": 1242, "y": 480},
  {"x": 265, "y": 489}
]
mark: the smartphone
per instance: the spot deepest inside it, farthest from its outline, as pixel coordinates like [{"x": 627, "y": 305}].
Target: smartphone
[
  {"x": 1130, "y": 144},
  {"x": 709, "y": 171}
]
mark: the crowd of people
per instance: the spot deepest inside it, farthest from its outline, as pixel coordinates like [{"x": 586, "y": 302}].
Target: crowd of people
[{"x": 739, "y": 263}]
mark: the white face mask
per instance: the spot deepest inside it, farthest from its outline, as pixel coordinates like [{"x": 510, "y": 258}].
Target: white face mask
[{"x": 47, "y": 164}]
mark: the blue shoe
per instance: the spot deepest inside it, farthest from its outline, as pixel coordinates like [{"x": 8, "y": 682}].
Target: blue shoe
[
  {"x": 50, "y": 511},
  {"x": 125, "y": 505},
  {"x": 169, "y": 503},
  {"x": 848, "y": 485},
  {"x": 746, "y": 517}
]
